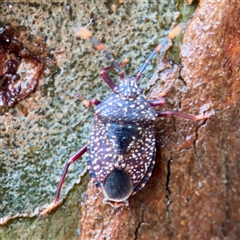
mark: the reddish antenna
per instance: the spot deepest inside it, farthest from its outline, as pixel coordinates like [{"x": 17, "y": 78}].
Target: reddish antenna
[
  {"x": 84, "y": 33},
  {"x": 178, "y": 29}
]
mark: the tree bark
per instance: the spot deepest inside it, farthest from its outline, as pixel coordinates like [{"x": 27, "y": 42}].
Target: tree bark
[{"x": 194, "y": 190}]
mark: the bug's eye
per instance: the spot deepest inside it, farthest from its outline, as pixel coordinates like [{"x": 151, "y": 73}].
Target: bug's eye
[{"x": 139, "y": 91}]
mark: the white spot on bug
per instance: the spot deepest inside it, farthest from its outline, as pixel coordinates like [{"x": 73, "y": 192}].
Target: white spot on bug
[{"x": 96, "y": 167}]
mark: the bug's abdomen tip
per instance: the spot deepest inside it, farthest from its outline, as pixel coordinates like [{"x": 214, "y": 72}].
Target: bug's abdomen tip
[{"x": 117, "y": 186}]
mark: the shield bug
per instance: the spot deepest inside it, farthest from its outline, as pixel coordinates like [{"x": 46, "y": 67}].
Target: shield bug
[{"x": 121, "y": 149}]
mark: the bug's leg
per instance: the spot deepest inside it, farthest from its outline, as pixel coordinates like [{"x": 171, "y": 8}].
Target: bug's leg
[
  {"x": 157, "y": 102},
  {"x": 182, "y": 115},
  {"x": 161, "y": 100},
  {"x": 88, "y": 104},
  {"x": 56, "y": 201},
  {"x": 107, "y": 79}
]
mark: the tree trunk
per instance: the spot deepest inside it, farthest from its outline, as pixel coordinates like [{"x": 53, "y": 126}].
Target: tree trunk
[{"x": 194, "y": 190}]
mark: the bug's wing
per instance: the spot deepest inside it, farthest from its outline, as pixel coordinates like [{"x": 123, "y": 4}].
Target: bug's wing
[
  {"x": 142, "y": 159},
  {"x": 130, "y": 147},
  {"x": 101, "y": 157}
]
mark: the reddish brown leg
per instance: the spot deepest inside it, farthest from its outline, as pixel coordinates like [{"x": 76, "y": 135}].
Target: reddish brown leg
[
  {"x": 107, "y": 79},
  {"x": 87, "y": 103},
  {"x": 161, "y": 100},
  {"x": 72, "y": 159},
  {"x": 182, "y": 115},
  {"x": 55, "y": 201},
  {"x": 157, "y": 102}
]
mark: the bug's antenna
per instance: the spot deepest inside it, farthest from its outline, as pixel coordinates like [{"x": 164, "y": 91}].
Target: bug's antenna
[
  {"x": 84, "y": 33},
  {"x": 178, "y": 29}
]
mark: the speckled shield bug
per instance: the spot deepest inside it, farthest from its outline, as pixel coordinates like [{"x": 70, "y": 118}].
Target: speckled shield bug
[{"x": 121, "y": 149}]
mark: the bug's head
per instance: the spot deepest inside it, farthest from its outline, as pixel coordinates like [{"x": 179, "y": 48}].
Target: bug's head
[{"x": 128, "y": 88}]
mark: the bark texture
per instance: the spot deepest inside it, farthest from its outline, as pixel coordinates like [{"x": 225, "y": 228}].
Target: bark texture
[{"x": 194, "y": 190}]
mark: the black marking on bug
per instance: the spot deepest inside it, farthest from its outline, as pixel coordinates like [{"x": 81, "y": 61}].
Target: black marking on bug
[
  {"x": 117, "y": 185},
  {"x": 121, "y": 137}
]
